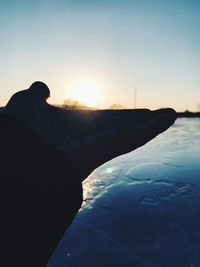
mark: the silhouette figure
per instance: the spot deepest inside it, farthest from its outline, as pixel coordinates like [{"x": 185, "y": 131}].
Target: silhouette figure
[{"x": 46, "y": 152}]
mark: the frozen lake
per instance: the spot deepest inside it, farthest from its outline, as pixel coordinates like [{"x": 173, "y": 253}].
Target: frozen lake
[{"x": 141, "y": 209}]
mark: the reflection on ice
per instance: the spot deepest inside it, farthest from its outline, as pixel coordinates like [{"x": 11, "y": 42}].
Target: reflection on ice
[
  {"x": 141, "y": 209},
  {"x": 109, "y": 170}
]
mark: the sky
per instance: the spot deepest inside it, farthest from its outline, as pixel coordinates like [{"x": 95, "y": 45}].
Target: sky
[{"x": 109, "y": 46}]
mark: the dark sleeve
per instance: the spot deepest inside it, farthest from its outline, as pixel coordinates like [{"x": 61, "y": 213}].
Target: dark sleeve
[{"x": 40, "y": 195}]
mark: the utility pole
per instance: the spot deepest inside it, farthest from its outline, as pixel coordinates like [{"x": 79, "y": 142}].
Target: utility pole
[
  {"x": 198, "y": 107},
  {"x": 135, "y": 98}
]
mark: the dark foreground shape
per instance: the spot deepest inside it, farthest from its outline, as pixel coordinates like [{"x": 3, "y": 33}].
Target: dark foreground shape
[
  {"x": 40, "y": 195},
  {"x": 45, "y": 154}
]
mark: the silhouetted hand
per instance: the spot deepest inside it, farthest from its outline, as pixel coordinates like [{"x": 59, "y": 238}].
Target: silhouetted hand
[
  {"x": 41, "y": 176},
  {"x": 88, "y": 138}
]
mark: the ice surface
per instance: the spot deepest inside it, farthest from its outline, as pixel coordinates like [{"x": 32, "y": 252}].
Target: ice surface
[{"x": 141, "y": 209}]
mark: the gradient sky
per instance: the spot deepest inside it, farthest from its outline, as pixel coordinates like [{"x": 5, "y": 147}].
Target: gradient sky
[{"x": 153, "y": 45}]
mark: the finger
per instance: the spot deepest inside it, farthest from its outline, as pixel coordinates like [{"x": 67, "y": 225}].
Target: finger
[
  {"x": 119, "y": 119},
  {"x": 138, "y": 136}
]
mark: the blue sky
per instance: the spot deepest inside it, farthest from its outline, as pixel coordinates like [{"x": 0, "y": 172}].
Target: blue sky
[{"x": 118, "y": 45}]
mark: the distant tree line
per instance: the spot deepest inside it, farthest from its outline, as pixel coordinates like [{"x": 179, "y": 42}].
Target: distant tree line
[
  {"x": 116, "y": 106},
  {"x": 73, "y": 104}
]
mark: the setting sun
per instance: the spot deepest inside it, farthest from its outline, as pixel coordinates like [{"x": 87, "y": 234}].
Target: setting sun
[{"x": 86, "y": 93}]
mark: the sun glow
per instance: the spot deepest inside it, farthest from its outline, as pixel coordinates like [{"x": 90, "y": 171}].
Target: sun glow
[{"x": 86, "y": 93}]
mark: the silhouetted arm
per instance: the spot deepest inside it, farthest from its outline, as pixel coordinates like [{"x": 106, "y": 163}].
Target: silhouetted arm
[{"x": 40, "y": 194}]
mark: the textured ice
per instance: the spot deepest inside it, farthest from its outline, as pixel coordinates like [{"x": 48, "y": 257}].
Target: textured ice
[{"x": 141, "y": 209}]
